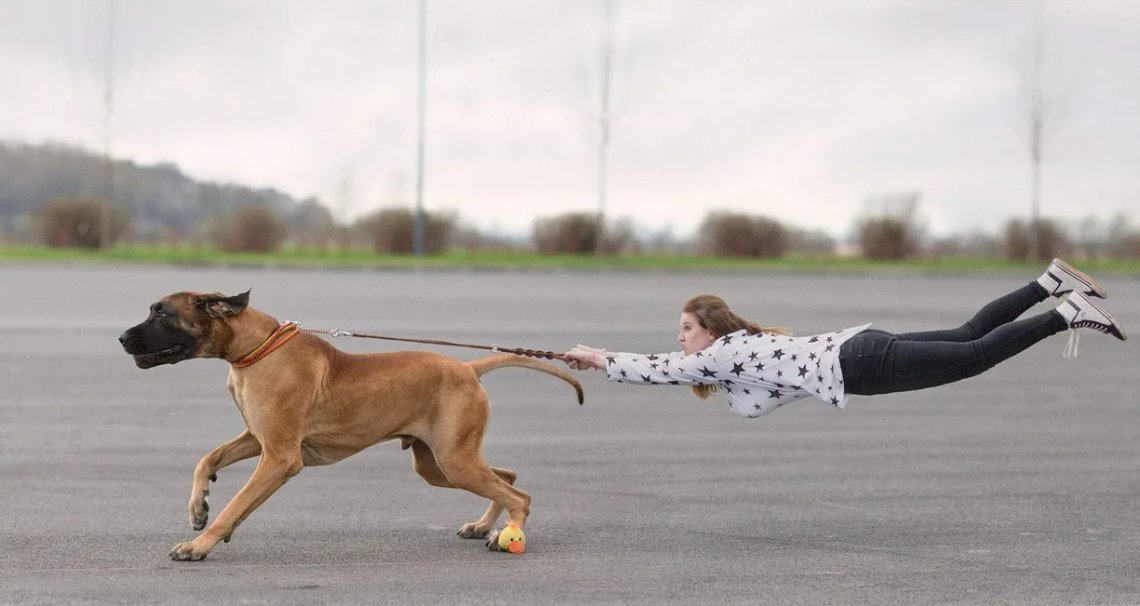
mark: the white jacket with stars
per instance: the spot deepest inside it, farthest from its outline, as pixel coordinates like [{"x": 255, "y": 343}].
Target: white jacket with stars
[{"x": 759, "y": 373}]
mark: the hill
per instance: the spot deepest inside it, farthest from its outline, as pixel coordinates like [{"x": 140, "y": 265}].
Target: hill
[{"x": 160, "y": 199}]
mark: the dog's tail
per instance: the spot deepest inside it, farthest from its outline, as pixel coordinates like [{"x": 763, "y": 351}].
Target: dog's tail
[{"x": 485, "y": 365}]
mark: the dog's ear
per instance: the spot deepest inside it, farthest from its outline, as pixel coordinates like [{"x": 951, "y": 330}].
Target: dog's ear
[{"x": 218, "y": 305}]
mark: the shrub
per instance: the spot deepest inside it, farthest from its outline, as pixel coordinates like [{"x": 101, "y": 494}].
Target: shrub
[
  {"x": 729, "y": 234},
  {"x": 1052, "y": 241},
  {"x": 570, "y": 233},
  {"x": 251, "y": 229},
  {"x": 392, "y": 230},
  {"x": 77, "y": 223},
  {"x": 887, "y": 238},
  {"x": 888, "y": 227}
]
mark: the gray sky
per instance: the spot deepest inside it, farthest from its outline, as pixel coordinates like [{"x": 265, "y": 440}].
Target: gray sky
[{"x": 797, "y": 110}]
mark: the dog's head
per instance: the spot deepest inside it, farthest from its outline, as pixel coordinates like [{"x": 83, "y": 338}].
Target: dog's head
[{"x": 182, "y": 326}]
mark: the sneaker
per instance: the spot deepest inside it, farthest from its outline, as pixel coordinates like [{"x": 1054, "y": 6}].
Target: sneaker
[
  {"x": 1060, "y": 279},
  {"x": 1080, "y": 312}
]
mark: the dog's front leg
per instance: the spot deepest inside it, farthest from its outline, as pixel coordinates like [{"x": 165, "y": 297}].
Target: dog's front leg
[
  {"x": 272, "y": 472},
  {"x": 238, "y": 449}
]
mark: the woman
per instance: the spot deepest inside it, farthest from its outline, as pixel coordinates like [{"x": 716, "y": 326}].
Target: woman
[{"x": 761, "y": 369}]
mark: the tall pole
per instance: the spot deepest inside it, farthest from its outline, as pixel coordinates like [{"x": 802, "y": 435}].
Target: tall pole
[
  {"x": 607, "y": 52},
  {"x": 418, "y": 236},
  {"x": 1037, "y": 125},
  {"x": 108, "y": 106}
]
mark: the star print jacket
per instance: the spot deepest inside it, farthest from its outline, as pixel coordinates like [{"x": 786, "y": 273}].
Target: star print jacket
[{"x": 759, "y": 373}]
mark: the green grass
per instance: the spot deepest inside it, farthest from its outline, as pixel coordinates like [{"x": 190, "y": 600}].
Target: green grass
[{"x": 461, "y": 259}]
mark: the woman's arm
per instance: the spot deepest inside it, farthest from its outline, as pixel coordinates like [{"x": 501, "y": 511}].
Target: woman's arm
[
  {"x": 658, "y": 369},
  {"x": 583, "y": 357}
]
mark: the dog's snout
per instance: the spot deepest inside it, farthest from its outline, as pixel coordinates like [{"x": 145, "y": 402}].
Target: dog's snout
[{"x": 130, "y": 339}]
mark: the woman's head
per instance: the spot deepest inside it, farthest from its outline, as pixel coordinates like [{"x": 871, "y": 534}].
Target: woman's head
[{"x": 704, "y": 319}]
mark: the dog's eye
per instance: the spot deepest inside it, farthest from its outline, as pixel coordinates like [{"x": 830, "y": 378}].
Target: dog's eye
[{"x": 160, "y": 314}]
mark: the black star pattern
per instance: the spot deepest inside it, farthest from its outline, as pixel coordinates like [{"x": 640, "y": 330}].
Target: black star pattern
[
  {"x": 752, "y": 356},
  {"x": 726, "y": 339},
  {"x": 834, "y": 402},
  {"x": 830, "y": 347},
  {"x": 653, "y": 366},
  {"x": 813, "y": 340},
  {"x": 795, "y": 357},
  {"x": 651, "y": 357},
  {"x": 705, "y": 372},
  {"x": 778, "y": 354},
  {"x": 803, "y": 370},
  {"x": 747, "y": 392},
  {"x": 811, "y": 356},
  {"x": 737, "y": 369},
  {"x": 829, "y": 339},
  {"x": 779, "y": 373},
  {"x": 759, "y": 367},
  {"x": 610, "y": 360},
  {"x": 773, "y": 394},
  {"x": 729, "y": 390},
  {"x": 645, "y": 378},
  {"x": 700, "y": 354},
  {"x": 623, "y": 373}
]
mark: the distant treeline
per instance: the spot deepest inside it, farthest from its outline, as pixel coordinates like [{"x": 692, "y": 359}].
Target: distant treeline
[{"x": 56, "y": 195}]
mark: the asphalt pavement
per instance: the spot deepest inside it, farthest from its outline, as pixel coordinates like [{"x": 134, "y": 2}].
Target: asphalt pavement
[{"x": 1019, "y": 486}]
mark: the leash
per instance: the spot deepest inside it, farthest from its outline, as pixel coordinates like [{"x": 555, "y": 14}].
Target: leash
[{"x": 531, "y": 353}]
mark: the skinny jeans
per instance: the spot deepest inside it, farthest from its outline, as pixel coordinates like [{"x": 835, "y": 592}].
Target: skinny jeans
[{"x": 877, "y": 362}]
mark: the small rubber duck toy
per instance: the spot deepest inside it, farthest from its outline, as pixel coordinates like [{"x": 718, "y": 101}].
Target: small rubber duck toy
[{"x": 512, "y": 539}]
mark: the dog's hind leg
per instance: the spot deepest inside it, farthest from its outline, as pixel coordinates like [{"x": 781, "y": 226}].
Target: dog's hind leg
[
  {"x": 423, "y": 461},
  {"x": 238, "y": 449},
  {"x": 464, "y": 465}
]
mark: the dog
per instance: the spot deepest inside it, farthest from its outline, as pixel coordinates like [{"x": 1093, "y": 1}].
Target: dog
[{"x": 307, "y": 403}]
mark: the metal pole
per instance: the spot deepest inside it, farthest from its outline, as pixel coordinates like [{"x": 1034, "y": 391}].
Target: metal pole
[
  {"x": 108, "y": 106},
  {"x": 418, "y": 243},
  {"x": 604, "y": 122}
]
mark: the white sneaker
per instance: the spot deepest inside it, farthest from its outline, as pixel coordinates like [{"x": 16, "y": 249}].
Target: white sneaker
[
  {"x": 1080, "y": 312},
  {"x": 1060, "y": 279}
]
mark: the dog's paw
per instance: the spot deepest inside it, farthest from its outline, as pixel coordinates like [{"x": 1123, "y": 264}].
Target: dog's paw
[
  {"x": 188, "y": 552},
  {"x": 493, "y": 541},
  {"x": 200, "y": 511},
  {"x": 473, "y": 531}
]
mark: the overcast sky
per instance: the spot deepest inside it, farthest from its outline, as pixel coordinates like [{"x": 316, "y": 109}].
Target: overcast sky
[{"x": 794, "y": 109}]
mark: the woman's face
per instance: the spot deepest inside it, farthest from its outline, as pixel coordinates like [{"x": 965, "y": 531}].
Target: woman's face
[{"x": 693, "y": 337}]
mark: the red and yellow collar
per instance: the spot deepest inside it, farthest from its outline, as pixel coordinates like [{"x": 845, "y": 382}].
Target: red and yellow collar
[{"x": 279, "y": 337}]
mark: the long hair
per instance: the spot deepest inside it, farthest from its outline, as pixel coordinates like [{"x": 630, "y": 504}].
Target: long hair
[{"x": 713, "y": 314}]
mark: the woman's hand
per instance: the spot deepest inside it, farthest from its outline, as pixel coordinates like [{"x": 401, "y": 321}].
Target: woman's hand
[{"x": 582, "y": 357}]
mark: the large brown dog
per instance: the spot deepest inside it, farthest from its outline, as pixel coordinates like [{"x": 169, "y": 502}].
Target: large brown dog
[{"x": 308, "y": 403}]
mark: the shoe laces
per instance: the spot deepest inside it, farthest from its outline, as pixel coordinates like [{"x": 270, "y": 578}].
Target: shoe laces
[{"x": 1072, "y": 348}]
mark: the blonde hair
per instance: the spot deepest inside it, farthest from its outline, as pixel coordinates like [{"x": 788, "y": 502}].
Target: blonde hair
[{"x": 713, "y": 314}]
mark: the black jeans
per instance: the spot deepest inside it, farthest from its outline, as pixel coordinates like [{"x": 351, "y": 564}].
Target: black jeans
[{"x": 877, "y": 362}]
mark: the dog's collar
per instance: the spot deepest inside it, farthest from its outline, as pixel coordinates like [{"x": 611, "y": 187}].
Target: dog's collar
[{"x": 283, "y": 333}]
